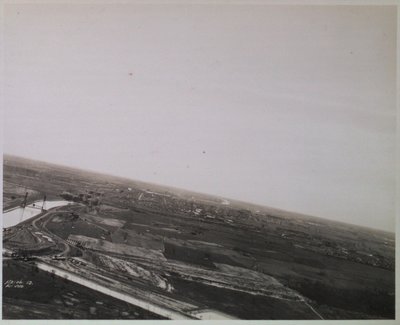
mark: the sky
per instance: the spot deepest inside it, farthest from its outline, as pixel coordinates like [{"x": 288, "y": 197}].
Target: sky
[{"x": 291, "y": 107}]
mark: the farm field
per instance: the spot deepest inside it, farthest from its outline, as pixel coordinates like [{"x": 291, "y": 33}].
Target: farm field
[{"x": 182, "y": 254}]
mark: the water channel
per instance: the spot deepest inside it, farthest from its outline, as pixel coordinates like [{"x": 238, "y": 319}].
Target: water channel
[{"x": 17, "y": 215}]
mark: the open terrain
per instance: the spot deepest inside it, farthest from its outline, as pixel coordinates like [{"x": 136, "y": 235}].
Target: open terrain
[{"x": 169, "y": 253}]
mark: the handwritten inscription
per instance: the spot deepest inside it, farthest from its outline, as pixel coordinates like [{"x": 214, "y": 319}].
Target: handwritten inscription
[{"x": 18, "y": 284}]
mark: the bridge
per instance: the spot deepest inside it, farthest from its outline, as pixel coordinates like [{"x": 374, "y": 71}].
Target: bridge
[
  {"x": 33, "y": 206},
  {"x": 25, "y": 201}
]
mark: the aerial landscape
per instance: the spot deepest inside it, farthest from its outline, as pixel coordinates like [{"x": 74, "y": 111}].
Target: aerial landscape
[
  {"x": 199, "y": 160},
  {"x": 81, "y": 245}
]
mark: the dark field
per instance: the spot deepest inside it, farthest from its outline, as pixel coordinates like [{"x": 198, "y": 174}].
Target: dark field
[
  {"x": 186, "y": 252},
  {"x": 51, "y": 297}
]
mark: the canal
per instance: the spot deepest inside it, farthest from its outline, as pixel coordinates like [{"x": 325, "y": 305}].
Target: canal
[{"x": 19, "y": 214}]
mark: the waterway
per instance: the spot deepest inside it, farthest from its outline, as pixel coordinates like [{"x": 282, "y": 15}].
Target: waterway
[{"x": 18, "y": 215}]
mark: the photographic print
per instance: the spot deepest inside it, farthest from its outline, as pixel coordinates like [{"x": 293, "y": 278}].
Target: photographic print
[{"x": 199, "y": 161}]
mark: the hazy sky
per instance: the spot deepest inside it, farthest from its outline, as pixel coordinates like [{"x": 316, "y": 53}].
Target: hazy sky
[{"x": 288, "y": 106}]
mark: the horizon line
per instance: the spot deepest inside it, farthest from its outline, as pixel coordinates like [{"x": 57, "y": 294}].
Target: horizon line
[{"x": 238, "y": 201}]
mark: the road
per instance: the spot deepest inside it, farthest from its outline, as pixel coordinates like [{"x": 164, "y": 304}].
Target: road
[
  {"x": 165, "y": 312},
  {"x": 313, "y": 310},
  {"x": 48, "y": 233}
]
